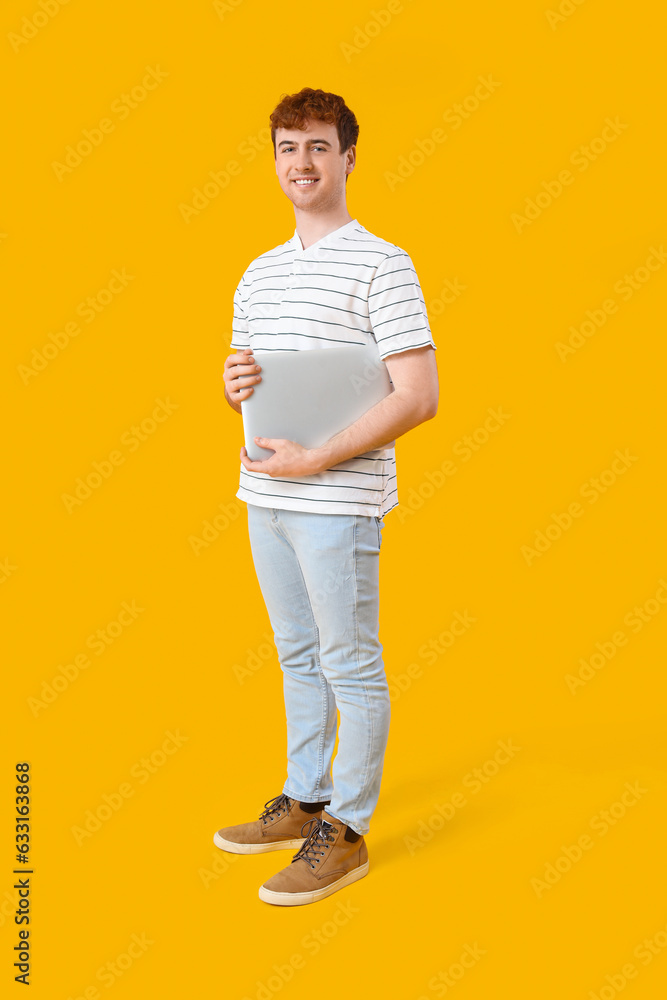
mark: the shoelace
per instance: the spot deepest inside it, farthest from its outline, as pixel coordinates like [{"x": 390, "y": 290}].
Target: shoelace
[
  {"x": 275, "y": 806},
  {"x": 319, "y": 835}
]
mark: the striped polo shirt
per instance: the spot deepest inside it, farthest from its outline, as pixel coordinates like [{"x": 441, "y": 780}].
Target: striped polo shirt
[{"x": 350, "y": 287}]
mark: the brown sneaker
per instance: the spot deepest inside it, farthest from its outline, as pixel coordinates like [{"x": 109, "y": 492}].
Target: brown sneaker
[
  {"x": 331, "y": 856},
  {"x": 277, "y": 829}
]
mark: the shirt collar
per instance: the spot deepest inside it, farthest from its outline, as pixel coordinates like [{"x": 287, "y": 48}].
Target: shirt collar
[{"x": 323, "y": 242}]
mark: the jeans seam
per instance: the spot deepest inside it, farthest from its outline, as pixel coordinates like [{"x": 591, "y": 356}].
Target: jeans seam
[
  {"x": 325, "y": 708},
  {"x": 371, "y": 734},
  {"x": 323, "y": 680}
]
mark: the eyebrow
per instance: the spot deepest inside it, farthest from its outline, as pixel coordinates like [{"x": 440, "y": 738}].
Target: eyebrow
[{"x": 291, "y": 142}]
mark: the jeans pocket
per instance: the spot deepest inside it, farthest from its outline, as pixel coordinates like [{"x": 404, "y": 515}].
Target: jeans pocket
[{"x": 379, "y": 523}]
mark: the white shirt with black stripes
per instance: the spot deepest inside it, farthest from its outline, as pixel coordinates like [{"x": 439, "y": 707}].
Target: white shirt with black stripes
[{"x": 350, "y": 287}]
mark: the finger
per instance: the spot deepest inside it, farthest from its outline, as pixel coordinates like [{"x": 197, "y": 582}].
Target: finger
[
  {"x": 250, "y": 466},
  {"x": 240, "y": 377},
  {"x": 235, "y": 382},
  {"x": 249, "y": 374},
  {"x": 241, "y": 371},
  {"x": 236, "y": 359},
  {"x": 283, "y": 445},
  {"x": 240, "y": 361},
  {"x": 240, "y": 386}
]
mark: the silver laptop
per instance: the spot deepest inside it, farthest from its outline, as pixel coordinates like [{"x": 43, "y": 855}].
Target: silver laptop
[{"x": 308, "y": 396}]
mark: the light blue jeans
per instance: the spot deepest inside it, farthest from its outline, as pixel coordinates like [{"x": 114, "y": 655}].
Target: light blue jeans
[{"x": 319, "y": 576}]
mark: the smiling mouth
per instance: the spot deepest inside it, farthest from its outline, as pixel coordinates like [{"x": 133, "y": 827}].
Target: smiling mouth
[{"x": 306, "y": 183}]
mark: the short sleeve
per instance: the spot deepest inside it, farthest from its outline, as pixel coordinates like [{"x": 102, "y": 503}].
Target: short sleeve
[
  {"x": 396, "y": 307},
  {"x": 240, "y": 332}
]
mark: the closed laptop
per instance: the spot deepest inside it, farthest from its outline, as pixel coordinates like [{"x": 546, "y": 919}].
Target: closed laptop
[{"x": 308, "y": 396}]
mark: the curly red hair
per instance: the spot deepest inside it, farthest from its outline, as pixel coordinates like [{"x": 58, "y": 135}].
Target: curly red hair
[{"x": 294, "y": 110}]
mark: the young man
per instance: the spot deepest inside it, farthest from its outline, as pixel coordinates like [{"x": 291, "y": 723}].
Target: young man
[{"x": 315, "y": 515}]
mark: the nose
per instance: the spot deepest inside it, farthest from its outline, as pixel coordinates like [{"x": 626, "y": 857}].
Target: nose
[{"x": 304, "y": 162}]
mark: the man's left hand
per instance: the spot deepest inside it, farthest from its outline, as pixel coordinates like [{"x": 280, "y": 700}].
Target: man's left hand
[{"x": 289, "y": 459}]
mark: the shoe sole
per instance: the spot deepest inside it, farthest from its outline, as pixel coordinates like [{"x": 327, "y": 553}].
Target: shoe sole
[
  {"x": 277, "y": 845},
  {"x": 298, "y": 898}
]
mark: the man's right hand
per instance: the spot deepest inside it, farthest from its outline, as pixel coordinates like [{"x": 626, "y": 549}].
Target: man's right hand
[{"x": 240, "y": 375}]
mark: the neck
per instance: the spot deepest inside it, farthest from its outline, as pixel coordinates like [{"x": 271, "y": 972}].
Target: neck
[{"x": 311, "y": 228}]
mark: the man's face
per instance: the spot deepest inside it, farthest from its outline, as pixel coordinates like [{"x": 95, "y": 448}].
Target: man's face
[{"x": 313, "y": 154}]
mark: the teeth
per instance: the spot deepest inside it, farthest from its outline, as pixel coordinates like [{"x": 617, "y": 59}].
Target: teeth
[{"x": 306, "y": 182}]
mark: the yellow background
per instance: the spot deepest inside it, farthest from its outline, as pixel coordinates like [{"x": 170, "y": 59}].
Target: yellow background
[{"x": 435, "y": 885}]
